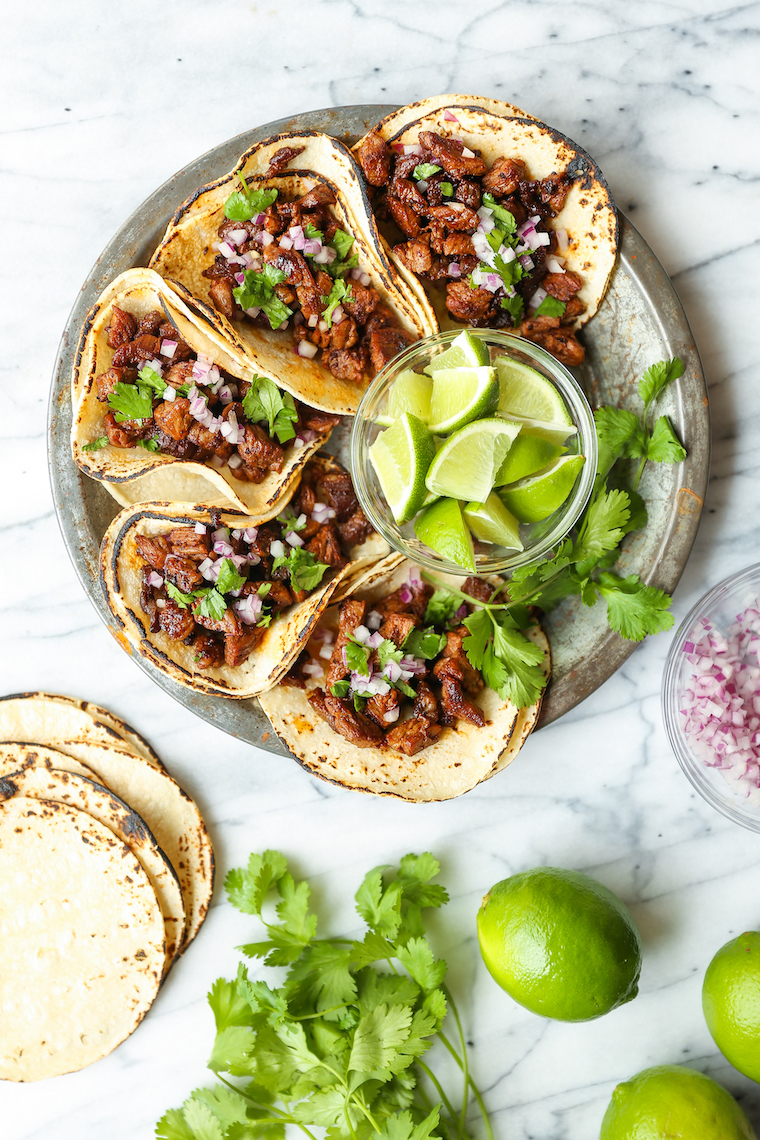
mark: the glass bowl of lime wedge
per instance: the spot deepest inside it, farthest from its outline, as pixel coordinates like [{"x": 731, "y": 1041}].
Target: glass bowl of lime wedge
[{"x": 473, "y": 451}]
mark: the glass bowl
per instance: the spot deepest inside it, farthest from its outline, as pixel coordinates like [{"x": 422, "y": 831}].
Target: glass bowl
[
  {"x": 538, "y": 538},
  {"x": 738, "y": 800}
]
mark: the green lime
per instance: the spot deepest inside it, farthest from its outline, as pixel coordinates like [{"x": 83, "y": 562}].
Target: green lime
[
  {"x": 527, "y": 455},
  {"x": 671, "y": 1101},
  {"x": 460, "y": 395},
  {"x": 491, "y": 522},
  {"x": 539, "y": 496},
  {"x": 560, "y": 944},
  {"x": 409, "y": 392},
  {"x": 553, "y": 433},
  {"x": 465, "y": 351},
  {"x": 525, "y": 392},
  {"x": 401, "y": 456},
  {"x": 442, "y": 528},
  {"x": 466, "y": 465},
  {"x": 731, "y": 1002}
]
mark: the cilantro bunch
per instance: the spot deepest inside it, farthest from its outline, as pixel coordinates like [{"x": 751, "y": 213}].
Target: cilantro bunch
[{"x": 340, "y": 1043}]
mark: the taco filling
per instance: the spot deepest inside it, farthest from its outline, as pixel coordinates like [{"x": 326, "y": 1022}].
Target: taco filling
[
  {"x": 164, "y": 397},
  {"x": 396, "y": 674},
  {"x": 288, "y": 264},
  {"x": 485, "y": 232},
  {"x": 218, "y": 589}
]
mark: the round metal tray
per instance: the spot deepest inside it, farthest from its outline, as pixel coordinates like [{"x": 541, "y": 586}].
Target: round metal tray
[{"x": 640, "y": 321}]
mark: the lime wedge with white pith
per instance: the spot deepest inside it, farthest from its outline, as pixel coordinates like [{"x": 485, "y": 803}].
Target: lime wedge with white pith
[
  {"x": 527, "y": 455},
  {"x": 553, "y": 433},
  {"x": 525, "y": 392},
  {"x": 539, "y": 496},
  {"x": 492, "y": 522},
  {"x": 409, "y": 392},
  {"x": 443, "y": 529},
  {"x": 465, "y": 351},
  {"x": 466, "y": 465},
  {"x": 460, "y": 395},
  {"x": 401, "y": 456}
]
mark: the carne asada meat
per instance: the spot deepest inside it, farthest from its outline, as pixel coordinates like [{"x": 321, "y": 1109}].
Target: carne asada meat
[
  {"x": 291, "y": 266},
  {"x": 453, "y": 234}
]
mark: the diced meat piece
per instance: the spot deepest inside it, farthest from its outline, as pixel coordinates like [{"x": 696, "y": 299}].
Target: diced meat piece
[
  {"x": 412, "y": 735},
  {"x": 184, "y": 540},
  {"x": 264, "y": 538},
  {"x": 336, "y": 489},
  {"x": 150, "y": 323},
  {"x": 118, "y": 436},
  {"x": 562, "y": 344},
  {"x": 345, "y": 334},
  {"x": 296, "y": 678},
  {"x": 448, "y": 154},
  {"x": 380, "y": 317},
  {"x": 386, "y": 343},
  {"x": 426, "y": 703},
  {"x": 346, "y": 363},
  {"x": 456, "y": 216},
  {"x": 174, "y": 417},
  {"x": 179, "y": 374},
  {"x": 239, "y": 643},
  {"x": 316, "y": 699},
  {"x": 315, "y": 420},
  {"x": 573, "y": 308},
  {"x": 108, "y": 380},
  {"x": 533, "y": 325},
  {"x": 260, "y": 453},
  {"x": 287, "y": 295},
  {"x": 363, "y": 301},
  {"x": 206, "y": 441},
  {"x": 454, "y": 649},
  {"x": 154, "y": 551},
  {"x": 404, "y": 217},
  {"x": 377, "y": 706},
  {"x": 406, "y": 191},
  {"x": 176, "y": 622},
  {"x": 351, "y": 615},
  {"x": 179, "y": 448},
  {"x": 229, "y": 622},
  {"x": 458, "y": 245},
  {"x": 449, "y": 672},
  {"x": 325, "y": 545},
  {"x": 137, "y": 351},
  {"x": 504, "y": 177},
  {"x": 319, "y": 195},
  {"x": 394, "y": 603},
  {"x": 354, "y": 530},
  {"x": 477, "y": 588},
  {"x": 554, "y": 190},
  {"x": 468, "y": 304},
  {"x": 309, "y": 295},
  {"x": 354, "y": 726},
  {"x": 220, "y": 292},
  {"x": 209, "y": 653},
  {"x": 282, "y": 157},
  {"x": 397, "y": 627},
  {"x": 562, "y": 286},
  {"x": 415, "y": 255},
  {"x": 468, "y": 192},
  {"x": 148, "y": 599},
  {"x": 183, "y": 573},
  {"x": 375, "y": 159},
  {"x": 279, "y": 596},
  {"x": 121, "y": 329}
]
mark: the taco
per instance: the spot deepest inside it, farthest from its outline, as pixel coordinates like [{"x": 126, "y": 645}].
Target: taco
[
  {"x": 224, "y": 607},
  {"x": 164, "y": 408},
  {"x": 282, "y": 256},
  {"x": 384, "y": 698},
  {"x": 508, "y": 223}
]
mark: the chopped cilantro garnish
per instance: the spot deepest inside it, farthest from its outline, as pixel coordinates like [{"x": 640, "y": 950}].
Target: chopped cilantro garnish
[
  {"x": 507, "y": 219},
  {"x": 242, "y": 205},
  {"x": 312, "y": 232},
  {"x": 96, "y": 444},
  {"x": 340, "y": 268},
  {"x": 289, "y": 521},
  {"x": 550, "y": 307},
  {"x": 176, "y": 595},
  {"x": 340, "y": 292},
  {"x": 229, "y": 579},
  {"x": 387, "y": 651},
  {"x": 442, "y": 607},
  {"x": 357, "y": 657},
  {"x": 264, "y": 402},
  {"x": 257, "y": 292},
  {"x": 148, "y": 444},
  {"x": 515, "y": 306},
  {"x": 446, "y": 189},
  {"x": 425, "y": 643},
  {"x": 341, "y": 243},
  {"x": 131, "y": 402},
  {"x": 425, "y": 170},
  {"x": 305, "y": 572},
  {"x": 340, "y": 688},
  {"x": 210, "y": 604},
  {"x": 150, "y": 377}
]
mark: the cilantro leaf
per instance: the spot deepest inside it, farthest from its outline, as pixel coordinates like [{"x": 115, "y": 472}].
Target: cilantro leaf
[
  {"x": 340, "y": 292},
  {"x": 148, "y": 444},
  {"x": 340, "y": 268},
  {"x": 130, "y": 402},
  {"x": 227, "y": 1105},
  {"x": 656, "y": 379},
  {"x": 603, "y": 526},
  {"x": 229, "y": 579},
  {"x": 550, "y": 307},
  {"x": 182, "y": 600},
  {"x": 150, "y": 377},
  {"x": 442, "y": 607},
  {"x": 634, "y": 609},
  {"x": 289, "y": 522},
  {"x": 387, "y": 651},
  {"x": 509, "y": 663},
  {"x": 664, "y": 445},
  {"x": 226, "y": 1005},
  {"x": 424, "y": 643},
  {"x": 378, "y": 1036},
  {"x": 247, "y": 888},
  {"x": 341, "y": 243},
  {"x": 425, "y": 170},
  {"x": 173, "y": 1126},
  {"x": 614, "y": 428},
  {"x": 210, "y": 604},
  {"x": 257, "y": 292},
  {"x": 312, "y": 232},
  {"x": 231, "y": 1050},
  {"x": 96, "y": 444},
  {"x": 340, "y": 689},
  {"x": 265, "y": 403},
  {"x": 502, "y": 215},
  {"x": 417, "y": 958},
  {"x": 305, "y": 572},
  {"x": 446, "y": 189},
  {"x": 515, "y": 306},
  {"x": 243, "y": 205},
  {"x": 357, "y": 657},
  {"x": 380, "y": 908}
]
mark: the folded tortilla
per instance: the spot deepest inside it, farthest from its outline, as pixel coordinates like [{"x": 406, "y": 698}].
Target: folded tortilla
[
  {"x": 185, "y": 252},
  {"x": 462, "y": 757},
  {"x": 134, "y": 475}
]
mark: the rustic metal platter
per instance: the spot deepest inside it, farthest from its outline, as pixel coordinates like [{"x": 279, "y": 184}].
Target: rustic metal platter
[{"x": 640, "y": 321}]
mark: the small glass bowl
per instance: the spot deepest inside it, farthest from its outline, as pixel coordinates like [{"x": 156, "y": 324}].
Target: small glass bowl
[
  {"x": 538, "y": 538},
  {"x": 721, "y": 605}
]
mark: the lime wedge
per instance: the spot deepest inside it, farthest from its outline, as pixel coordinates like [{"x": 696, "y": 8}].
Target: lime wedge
[
  {"x": 409, "y": 392},
  {"x": 465, "y": 351},
  {"x": 492, "y": 522},
  {"x": 553, "y": 433},
  {"x": 443, "y": 529},
  {"x": 466, "y": 465},
  {"x": 526, "y": 393},
  {"x": 460, "y": 395},
  {"x": 401, "y": 456},
  {"x": 527, "y": 455},
  {"x": 539, "y": 496}
]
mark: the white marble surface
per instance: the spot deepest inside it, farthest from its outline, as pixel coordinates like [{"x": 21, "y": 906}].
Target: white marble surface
[{"x": 101, "y": 103}]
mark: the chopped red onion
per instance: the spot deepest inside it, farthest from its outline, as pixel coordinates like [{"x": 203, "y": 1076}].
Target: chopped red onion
[
  {"x": 238, "y": 561},
  {"x": 168, "y": 348},
  {"x": 237, "y": 237},
  {"x": 313, "y": 670},
  {"x": 297, "y": 236},
  {"x": 461, "y": 612},
  {"x": 297, "y": 442},
  {"x": 361, "y": 633},
  {"x": 413, "y": 148},
  {"x": 449, "y": 117},
  {"x": 338, "y": 315},
  {"x": 250, "y": 533},
  {"x": 277, "y": 548},
  {"x": 226, "y": 250},
  {"x": 393, "y": 671},
  {"x": 217, "y": 462},
  {"x": 322, "y": 326},
  {"x": 327, "y": 636},
  {"x": 285, "y": 242},
  {"x": 235, "y": 461},
  {"x": 375, "y": 640},
  {"x": 307, "y": 349},
  {"x": 374, "y": 620},
  {"x": 562, "y": 240},
  {"x": 326, "y": 652},
  {"x": 308, "y": 435},
  {"x": 160, "y": 603},
  {"x": 412, "y": 665},
  {"x": 266, "y": 238},
  {"x": 364, "y": 279},
  {"x": 467, "y": 153},
  {"x": 169, "y": 394},
  {"x": 313, "y": 321},
  {"x": 293, "y": 539},
  {"x": 224, "y": 394},
  {"x": 248, "y": 608},
  {"x": 356, "y": 273},
  {"x": 252, "y": 312},
  {"x": 392, "y": 715},
  {"x": 221, "y": 535},
  {"x": 555, "y": 264},
  {"x": 398, "y": 148},
  {"x": 311, "y": 247},
  {"x": 406, "y": 595},
  {"x": 455, "y": 269},
  {"x": 259, "y": 219},
  {"x": 155, "y": 580},
  {"x": 223, "y": 548},
  {"x": 539, "y": 295},
  {"x": 200, "y": 528},
  {"x": 321, "y": 513},
  {"x": 526, "y": 262}
]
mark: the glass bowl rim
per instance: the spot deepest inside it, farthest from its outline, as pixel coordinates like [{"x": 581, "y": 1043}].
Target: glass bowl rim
[{"x": 583, "y": 419}]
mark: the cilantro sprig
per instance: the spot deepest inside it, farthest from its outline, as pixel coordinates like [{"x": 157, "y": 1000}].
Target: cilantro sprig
[
  {"x": 258, "y": 292},
  {"x": 265, "y": 403},
  {"x": 340, "y": 1042},
  {"x": 244, "y": 204},
  {"x": 339, "y": 293},
  {"x": 305, "y": 572}
]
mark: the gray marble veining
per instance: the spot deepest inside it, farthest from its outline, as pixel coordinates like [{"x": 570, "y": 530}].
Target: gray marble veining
[{"x": 101, "y": 104}]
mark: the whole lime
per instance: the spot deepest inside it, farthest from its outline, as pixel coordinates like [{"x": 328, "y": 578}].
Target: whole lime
[
  {"x": 731, "y": 1002},
  {"x": 560, "y": 943},
  {"x": 671, "y": 1102}
]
